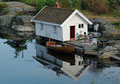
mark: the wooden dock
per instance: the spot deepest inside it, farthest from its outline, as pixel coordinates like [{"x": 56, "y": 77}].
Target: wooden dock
[{"x": 85, "y": 47}]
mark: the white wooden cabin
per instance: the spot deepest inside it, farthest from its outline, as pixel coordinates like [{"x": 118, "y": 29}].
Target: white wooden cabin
[
  {"x": 60, "y": 24},
  {"x": 71, "y": 70}
]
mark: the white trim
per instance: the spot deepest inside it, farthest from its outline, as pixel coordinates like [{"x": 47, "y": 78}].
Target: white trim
[
  {"x": 48, "y": 23},
  {"x": 76, "y": 11},
  {"x": 86, "y": 19},
  {"x": 38, "y": 13},
  {"x": 79, "y": 74},
  {"x": 67, "y": 19}
]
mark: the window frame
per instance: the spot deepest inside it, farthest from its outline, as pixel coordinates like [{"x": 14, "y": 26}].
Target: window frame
[
  {"x": 80, "y": 25},
  {"x": 41, "y": 28},
  {"x": 55, "y": 30}
]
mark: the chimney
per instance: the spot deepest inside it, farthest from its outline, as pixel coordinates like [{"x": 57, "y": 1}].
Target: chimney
[{"x": 57, "y": 5}]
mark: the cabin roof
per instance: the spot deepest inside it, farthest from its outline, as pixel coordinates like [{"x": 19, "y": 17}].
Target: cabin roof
[
  {"x": 57, "y": 15},
  {"x": 53, "y": 15}
]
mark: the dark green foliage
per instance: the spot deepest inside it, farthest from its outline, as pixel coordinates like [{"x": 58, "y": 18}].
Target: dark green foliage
[
  {"x": 77, "y": 3},
  {"x": 41, "y": 3},
  {"x": 5, "y": 11},
  {"x": 65, "y": 3},
  {"x": 84, "y": 4},
  {"x": 3, "y": 5},
  {"x": 113, "y": 4},
  {"x": 117, "y": 23},
  {"x": 98, "y": 6}
]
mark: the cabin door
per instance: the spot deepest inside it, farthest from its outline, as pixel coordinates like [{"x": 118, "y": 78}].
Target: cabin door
[{"x": 72, "y": 32}]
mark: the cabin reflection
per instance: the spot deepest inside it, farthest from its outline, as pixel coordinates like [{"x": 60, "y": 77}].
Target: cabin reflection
[{"x": 72, "y": 66}]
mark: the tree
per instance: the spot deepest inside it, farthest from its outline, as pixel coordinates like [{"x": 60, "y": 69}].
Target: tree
[
  {"x": 98, "y": 6},
  {"x": 65, "y": 3},
  {"x": 113, "y": 3},
  {"x": 84, "y": 4},
  {"x": 76, "y": 3}
]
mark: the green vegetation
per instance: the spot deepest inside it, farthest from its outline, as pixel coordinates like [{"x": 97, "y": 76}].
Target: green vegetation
[
  {"x": 39, "y": 3},
  {"x": 3, "y": 5},
  {"x": 5, "y": 11},
  {"x": 93, "y": 82},
  {"x": 117, "y": 23},
  {"x": 106, "y": 9}
]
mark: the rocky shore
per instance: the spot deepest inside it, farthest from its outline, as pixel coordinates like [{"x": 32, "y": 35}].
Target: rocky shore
[
  {"x": 18, "y": 18},
  {"x": 111, "y": 49}
]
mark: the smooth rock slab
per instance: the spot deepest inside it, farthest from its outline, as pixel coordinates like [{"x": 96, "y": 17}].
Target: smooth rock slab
[
  {"x": 21, "y": 28},
  {"x": 107, "y": 55},
  {"x": 6, "y": 20}
]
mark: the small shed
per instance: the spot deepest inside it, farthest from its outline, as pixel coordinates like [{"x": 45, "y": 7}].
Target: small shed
[{"x": 60, "y": 24}]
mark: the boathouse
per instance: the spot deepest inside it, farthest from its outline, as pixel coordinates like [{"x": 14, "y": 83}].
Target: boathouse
[{"x": 60, "y": 24}]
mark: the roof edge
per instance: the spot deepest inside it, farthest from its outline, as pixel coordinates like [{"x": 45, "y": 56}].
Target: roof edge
[
  {"x": 38, "y": 13},
  {"x": 82, "y": 16},
  {"x": 68, "y": 18},
  {"x": 48, "y": 23}
]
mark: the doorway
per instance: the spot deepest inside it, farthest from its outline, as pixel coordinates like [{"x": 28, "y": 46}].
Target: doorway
[{"x": 72, "y": 32}]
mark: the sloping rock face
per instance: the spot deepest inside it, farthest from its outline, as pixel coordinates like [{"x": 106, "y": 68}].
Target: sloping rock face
[
  {"x": 107, "y": 28},
  {"x": 18, "y": 14},
  {"x": 1, "y": 0},
  {"x": 112, "y": 49},
  {"x": 17, "y": 7}
]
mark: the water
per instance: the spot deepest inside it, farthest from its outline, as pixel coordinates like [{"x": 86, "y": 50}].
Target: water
[{"x": 28, "y": 62}]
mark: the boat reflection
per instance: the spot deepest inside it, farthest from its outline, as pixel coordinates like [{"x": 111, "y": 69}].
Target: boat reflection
[{"x": 72, "y": 66}]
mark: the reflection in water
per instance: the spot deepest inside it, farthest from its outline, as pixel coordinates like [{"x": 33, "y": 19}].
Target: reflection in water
[
  {"x": 18, "y": 45},
  {"x": 27, "y": 71},
  {"x": 70, "y": 65}
]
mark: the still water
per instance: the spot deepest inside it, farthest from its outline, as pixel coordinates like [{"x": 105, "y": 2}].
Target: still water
[{"x": 28, "y": 62}]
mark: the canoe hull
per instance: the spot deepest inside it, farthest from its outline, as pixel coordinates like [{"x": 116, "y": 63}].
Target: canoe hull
[{"x": 63, "y": 49}]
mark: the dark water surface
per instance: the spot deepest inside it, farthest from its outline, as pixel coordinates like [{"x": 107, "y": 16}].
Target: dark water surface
[{"x": 18, "y": 66}]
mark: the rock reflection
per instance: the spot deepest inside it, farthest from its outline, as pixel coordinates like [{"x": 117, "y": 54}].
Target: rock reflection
[{"x": 72, "y": 66}]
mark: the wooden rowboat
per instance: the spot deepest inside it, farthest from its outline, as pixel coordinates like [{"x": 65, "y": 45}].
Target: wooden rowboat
[{"x": 61, "y": 48}]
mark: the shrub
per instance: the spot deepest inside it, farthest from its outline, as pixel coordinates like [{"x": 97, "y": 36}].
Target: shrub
[
  {"x": 98, "y": 6},
  {"x": 5, "y": 11},
  {"x": 113, "y": 3},
  {"x": 117, "y": 23},
  {"x": 40, "y": 3},
  {"x": 65, "y": 3},
  {"x": 3, "y": 5},
  {"x": 77, "y": 3},
  {"x": 84, "y": 4}
]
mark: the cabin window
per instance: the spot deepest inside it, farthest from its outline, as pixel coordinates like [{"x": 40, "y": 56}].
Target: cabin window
[
  {"x": 41, "y": 28},
  {"x": 80, "y": 25},
  {"x": 55, "y": 30},
  {"x": 80, "y": 63}
]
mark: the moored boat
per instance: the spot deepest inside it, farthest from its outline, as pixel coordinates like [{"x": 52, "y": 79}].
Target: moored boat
[{"x": 64, "y": 48}]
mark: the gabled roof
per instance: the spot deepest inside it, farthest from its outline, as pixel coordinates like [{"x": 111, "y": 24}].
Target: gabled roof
[
  {"x": 56, "y": 15},
  {"x": 53, "y": 15}
]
